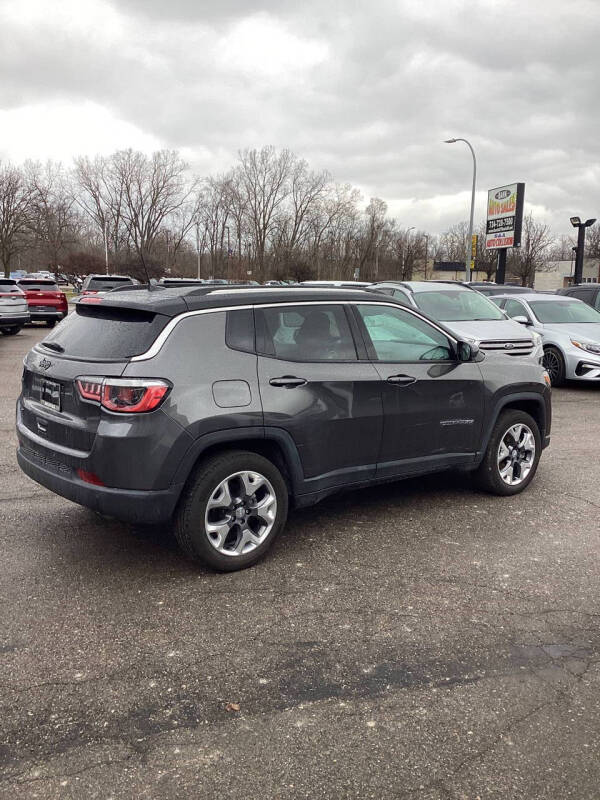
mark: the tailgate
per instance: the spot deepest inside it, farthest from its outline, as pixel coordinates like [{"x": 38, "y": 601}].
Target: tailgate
[{"x": 51, "y": 406}]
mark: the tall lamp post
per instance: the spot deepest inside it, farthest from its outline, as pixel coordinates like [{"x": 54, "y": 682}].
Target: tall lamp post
[
  {"x": 468, "y": 248},
  {"x": 579, "y": 251}
]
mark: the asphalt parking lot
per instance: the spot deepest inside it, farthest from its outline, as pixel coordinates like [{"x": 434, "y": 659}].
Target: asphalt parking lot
[{"x": 415, "y": 640}]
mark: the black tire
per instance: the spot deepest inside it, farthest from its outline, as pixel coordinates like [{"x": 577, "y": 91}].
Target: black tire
[
  {"x": 11, "y": 331},
  {"x": 50, "y": 323},
  {"x": 555, "y": 365},
  {"x": 488, "y": 475},
  {"x": 190, "y": 529}
]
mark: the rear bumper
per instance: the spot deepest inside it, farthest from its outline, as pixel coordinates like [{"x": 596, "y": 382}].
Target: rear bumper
[
  {"x": 9, "y": 320},
  {"x": 129, "y": 505},
  {"x": 46, "y": 316}
]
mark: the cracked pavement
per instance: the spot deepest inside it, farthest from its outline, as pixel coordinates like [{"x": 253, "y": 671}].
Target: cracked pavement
[{"x": 416, "y": 640}]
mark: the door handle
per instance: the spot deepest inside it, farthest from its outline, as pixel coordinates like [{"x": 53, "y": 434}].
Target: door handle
[
  {"x": 401, "y": 380},
  {"x": 287, "y": 381}
]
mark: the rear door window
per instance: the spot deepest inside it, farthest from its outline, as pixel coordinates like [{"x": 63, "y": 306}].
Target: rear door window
[
  {"x": 105, "y": 334},
  {"x": 305, "y": 333}
]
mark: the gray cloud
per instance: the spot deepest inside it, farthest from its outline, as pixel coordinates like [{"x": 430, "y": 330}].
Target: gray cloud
[{"x": 367, "y": 91}]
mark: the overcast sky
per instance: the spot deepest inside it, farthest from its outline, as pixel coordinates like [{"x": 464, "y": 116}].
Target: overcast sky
[{"x": 365, "y": 89}]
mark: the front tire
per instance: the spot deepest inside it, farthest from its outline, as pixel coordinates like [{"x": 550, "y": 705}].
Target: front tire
[
  {"x": 554, "y": 364},
  {"x": 232, "y": 510},
  {"x": 11, "y": 331},
  {"x": 512, "y": 454}
]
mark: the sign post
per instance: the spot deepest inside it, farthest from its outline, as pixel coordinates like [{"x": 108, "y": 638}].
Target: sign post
[
  {"x": 504, "y": 222},
  {"x": 473, "y": 252}
]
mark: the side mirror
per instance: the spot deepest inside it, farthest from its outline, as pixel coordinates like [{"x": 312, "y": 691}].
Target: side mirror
[
  {"x": 522, "y": 319},
  {"x": 468, "y": 351}
]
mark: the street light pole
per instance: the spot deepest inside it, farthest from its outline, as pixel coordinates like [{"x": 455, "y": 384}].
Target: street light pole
[
  {"x": 106, "y": 246},
  {"x": 579, "y": 250},
  {"x": 468, "y": 247}
]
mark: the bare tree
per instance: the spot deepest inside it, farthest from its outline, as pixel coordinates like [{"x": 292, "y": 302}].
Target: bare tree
[
  {"x": 592, "y": 242},
  {"x": 264, "y": 182},
  {"x": 373, "y": 234},
  {"x": 454, "y": 242},
  {"x": 154, "y": 189},
  {"x": 533, "y": 255},
  {"x": 99, "y": 192},
  {"x": 52, "y": 219},
  {"x": 485, "y": 260},
  {"x": 15, "y": 208}
]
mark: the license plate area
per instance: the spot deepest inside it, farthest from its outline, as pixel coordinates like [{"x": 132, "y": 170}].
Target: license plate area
[{"x": 46, "y": 392}]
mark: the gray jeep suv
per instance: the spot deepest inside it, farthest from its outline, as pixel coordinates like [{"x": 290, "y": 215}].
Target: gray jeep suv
[{"x": 217, "y": 408}]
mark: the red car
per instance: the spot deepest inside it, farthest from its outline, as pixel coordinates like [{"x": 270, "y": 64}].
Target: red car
[{"x": 47, "y": 303}]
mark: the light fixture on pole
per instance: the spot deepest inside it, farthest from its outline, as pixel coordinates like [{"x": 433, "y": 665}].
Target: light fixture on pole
[
  {"x": 468, "y": 247},
  {"x": 579, "y": 250}
]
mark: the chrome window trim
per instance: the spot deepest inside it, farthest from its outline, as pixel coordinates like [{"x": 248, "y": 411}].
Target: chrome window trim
[{"x": 168, "y": 329}]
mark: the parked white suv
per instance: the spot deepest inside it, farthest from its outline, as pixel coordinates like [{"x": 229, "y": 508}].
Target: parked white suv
[
  {"x": 469, "y": 315},
  {"x": 14, "y": 312}
]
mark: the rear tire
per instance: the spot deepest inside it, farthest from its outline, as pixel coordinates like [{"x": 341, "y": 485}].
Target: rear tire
[
  {"x": 512, "y": 454},
  {"x": 555, "y": 365},
  {"x": 11, "y": 331},
  {"x": 233, "y": 508},
  {"x": 50, "y": 323}
]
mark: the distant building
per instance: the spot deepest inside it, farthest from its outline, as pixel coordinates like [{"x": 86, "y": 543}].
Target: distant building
[{"x": 560, "y": 274}]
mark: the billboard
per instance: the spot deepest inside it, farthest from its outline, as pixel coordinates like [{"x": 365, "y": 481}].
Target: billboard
[{"x": 504, "y": 216}]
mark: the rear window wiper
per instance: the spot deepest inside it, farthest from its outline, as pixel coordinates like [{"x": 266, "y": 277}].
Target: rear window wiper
[{"x": 54, "y": 346}]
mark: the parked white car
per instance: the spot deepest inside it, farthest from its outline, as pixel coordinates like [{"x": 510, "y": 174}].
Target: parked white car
[
  {"x": 570, "y": 330},
  {"x": 14, "y": 312}
]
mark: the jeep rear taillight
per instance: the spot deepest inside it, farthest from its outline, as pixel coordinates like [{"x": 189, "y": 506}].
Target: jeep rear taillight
[
  {"x": 124, "y": 395},
  {"x": 90, "y": 389}
]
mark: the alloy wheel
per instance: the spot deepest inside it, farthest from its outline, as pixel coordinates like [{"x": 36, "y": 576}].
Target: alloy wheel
[
  {"x": 240, "y": 513},
  {"x": 516, "y": 454},
  {"x": 552, "y": 364}
]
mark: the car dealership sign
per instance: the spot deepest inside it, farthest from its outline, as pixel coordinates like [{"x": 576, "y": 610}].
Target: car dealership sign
[{"x": 504, "y": 216}]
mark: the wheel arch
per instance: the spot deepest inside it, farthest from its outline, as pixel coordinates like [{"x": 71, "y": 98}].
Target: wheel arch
[
  {"x": 272, "y": 443},
  {"x": 529, "y": 402}
]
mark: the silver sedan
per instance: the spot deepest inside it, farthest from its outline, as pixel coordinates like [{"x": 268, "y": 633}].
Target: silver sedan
[{"x": 570, "y": 331}]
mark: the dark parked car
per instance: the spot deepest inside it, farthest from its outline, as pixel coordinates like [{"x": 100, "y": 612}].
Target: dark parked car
[
  {"x": 46, "y": 302},
  {"x": 588, "y": 292},
  {"x": 491, "y": 289},
  {"x": 100, "y": 284},
  {"x": 220, "y": 409}
]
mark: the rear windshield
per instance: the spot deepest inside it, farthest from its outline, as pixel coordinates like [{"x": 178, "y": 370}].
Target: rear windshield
[
  {"x": 8, "y": 285},
  {"x": 106, "y": 284},
  {"x": 105, "y": 334},
  {"x": 40, "y": 286}
]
